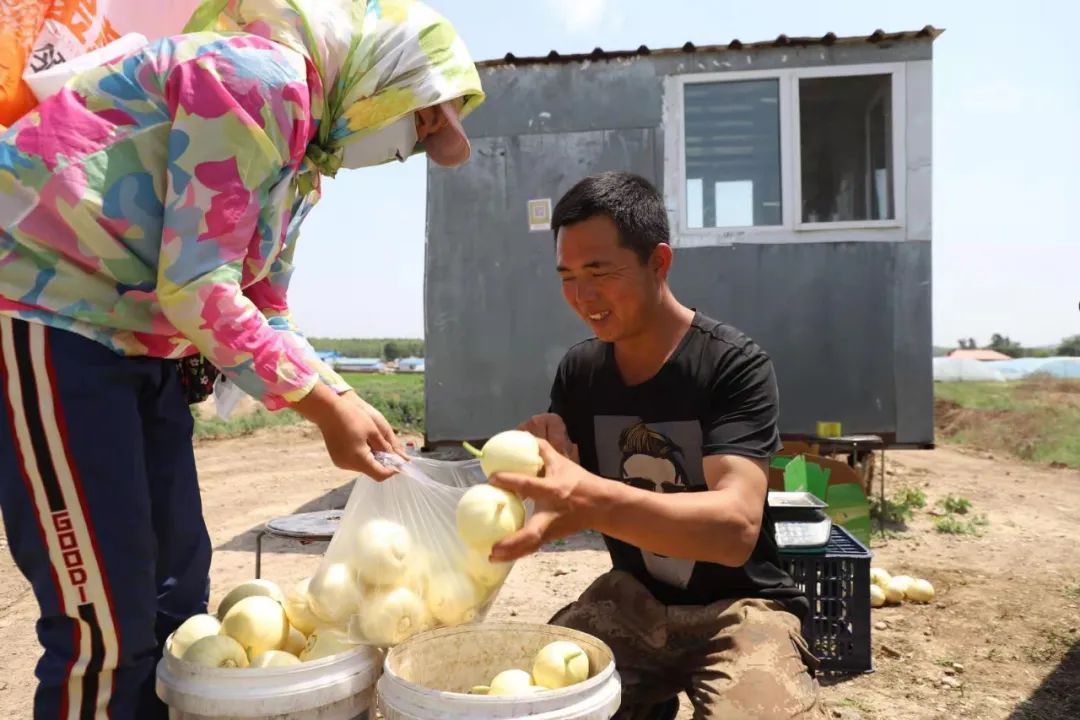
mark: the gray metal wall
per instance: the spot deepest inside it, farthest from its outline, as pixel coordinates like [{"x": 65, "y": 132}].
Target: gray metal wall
[{"x": 846, "y": 320}]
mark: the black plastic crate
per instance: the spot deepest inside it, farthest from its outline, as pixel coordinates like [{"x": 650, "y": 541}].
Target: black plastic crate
[{"x": 837, "y": 585}]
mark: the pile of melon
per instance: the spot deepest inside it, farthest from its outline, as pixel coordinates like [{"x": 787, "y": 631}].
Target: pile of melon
[
  {"x": 887, "y": 589},
  {"x": 256, "y": 626},
  {"x": 389, "y": 589},
  {"x": 557, "y": 665}
]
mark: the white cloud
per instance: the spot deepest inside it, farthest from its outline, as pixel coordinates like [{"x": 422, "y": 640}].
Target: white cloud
[{"x": 580, "y": 15}]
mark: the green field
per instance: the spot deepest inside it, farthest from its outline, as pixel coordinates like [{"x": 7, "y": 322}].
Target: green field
[
  {"x": 399, "y": 397},
  {"x": 1036, "y": 419},
  {"x": 214, "y": 428}
]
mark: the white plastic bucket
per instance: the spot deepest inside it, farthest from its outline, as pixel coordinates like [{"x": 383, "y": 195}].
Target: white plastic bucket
[
  {"x": 428, "y": 676},
  {"x": 339, "y": 687}
]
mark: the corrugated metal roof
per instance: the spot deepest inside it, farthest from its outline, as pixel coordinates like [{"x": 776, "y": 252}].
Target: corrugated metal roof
[{"x": 878, "y": 36}]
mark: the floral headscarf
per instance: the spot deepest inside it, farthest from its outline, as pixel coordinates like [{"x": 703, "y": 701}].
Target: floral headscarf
[{"x": 378, "y": 60}]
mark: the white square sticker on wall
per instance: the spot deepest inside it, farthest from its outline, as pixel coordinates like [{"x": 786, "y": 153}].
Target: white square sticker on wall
[{"x": 540, "y": 215}]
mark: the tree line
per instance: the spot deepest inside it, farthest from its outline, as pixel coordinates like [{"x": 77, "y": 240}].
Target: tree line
[
  {"x": 384, "y": 348},
  {"x": 1069, "y": 346}
]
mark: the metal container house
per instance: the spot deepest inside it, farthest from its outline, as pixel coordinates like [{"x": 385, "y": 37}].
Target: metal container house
[{"x": 797, "y": 175}]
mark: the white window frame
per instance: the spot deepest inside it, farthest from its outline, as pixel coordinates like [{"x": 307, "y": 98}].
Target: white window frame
[
  {"x": 898, "y": 86},
  {"x": 790, "y": 153}
]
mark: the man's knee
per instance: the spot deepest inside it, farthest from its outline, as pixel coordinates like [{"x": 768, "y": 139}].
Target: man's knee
[
  {"x": 760, "y": 668},
  {"x": 620, "y": 612},
  {"x": 762, "y": 694}
]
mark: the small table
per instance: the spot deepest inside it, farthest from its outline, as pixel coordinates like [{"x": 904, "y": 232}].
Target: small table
[
  {"x": 306, "y": 527},
  {"x": 852, "y": 444}
]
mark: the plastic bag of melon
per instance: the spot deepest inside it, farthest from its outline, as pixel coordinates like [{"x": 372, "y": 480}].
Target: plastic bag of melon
[{"x": 411, "y": 552}]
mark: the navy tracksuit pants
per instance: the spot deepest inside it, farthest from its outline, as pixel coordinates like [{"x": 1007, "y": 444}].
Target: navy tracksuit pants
[{"x": 102, "y": 513}]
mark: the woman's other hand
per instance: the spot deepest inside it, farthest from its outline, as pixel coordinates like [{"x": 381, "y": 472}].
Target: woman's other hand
[{"x": 352, "y": 430}]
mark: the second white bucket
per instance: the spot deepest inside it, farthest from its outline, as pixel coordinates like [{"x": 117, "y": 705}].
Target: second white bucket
[{"x": 428, "y": 676}]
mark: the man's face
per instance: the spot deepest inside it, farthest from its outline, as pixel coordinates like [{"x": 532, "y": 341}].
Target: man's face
[{"x": 608, "y": 285}]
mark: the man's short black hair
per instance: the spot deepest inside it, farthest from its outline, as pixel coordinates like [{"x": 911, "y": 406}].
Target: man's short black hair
[{"x": 632, "y": 203}]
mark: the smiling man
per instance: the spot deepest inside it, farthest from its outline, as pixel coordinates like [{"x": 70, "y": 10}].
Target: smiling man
[{"x": 658, "y": 436}]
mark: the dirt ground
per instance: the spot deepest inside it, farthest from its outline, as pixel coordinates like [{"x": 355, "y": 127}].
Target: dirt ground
[{"x": 1001, "y": 641}]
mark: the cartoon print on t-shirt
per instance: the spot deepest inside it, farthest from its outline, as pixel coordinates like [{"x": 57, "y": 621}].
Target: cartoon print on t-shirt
[
  {"x": 652, "y": 461},
  {"x": 651, "y": 455}
]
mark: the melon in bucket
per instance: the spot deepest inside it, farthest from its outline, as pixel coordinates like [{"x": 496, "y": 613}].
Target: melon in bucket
[{"x": 429, "y": 676}]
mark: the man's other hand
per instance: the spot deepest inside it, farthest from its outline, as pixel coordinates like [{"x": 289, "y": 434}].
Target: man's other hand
[{"x": 550, "y": 427}]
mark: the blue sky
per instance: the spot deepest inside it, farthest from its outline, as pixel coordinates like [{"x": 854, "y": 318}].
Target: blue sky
[{"x": 1006, "y": 156}]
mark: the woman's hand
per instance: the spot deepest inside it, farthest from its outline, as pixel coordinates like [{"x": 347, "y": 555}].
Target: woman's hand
[
  {"x": 352, "y": 430},
  {"x": 385, "y": 429}
]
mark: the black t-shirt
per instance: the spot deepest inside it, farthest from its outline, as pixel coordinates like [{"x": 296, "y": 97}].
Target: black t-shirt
[{"x": 716, "y": 394}]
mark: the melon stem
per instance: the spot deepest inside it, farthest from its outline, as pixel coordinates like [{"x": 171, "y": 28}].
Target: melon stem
[{"x": 471, "y": 449}]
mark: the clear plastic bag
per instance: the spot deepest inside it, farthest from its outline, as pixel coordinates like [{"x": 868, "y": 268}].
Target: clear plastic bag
[
  {"x": 397, "y": 565},
  {"x": 227, "y": 395}
]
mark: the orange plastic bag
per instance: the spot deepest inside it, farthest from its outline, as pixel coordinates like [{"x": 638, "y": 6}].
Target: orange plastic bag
[
  {"x": 20, "y": 23},
  {"x": 36, "y": 35}
]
